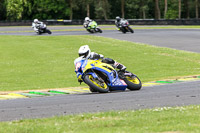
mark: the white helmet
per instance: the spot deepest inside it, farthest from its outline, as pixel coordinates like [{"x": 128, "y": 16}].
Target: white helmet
[
  {"x": 87, "y": 18},
  {"x": 84, "y": 51},
  {"x": 36, "y": 21}
]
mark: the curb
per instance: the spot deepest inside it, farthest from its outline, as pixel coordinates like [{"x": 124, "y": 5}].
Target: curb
[{"x": 53, "y": 92}]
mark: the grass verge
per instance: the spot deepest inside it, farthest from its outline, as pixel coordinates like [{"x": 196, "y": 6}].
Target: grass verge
[
  {"x": 41, "y": 62},
  {"x": 163, "y": 120}
]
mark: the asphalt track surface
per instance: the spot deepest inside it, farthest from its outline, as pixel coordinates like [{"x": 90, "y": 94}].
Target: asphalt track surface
[{"x": 177, "y": 94}]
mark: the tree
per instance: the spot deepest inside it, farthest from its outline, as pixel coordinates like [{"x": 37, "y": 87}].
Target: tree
[
  {"x": 50, "y": 9},
  {"x": 186, "y": 5},
  {"x": 157, "y": 10},
  {"x": 71, "y": 9},
  {"x": 179, "y": 9},
  {"x": 122, "y": 7},
  {"x": 143, "y": 8},
  {"x": 2, "y": 10},
  {"x": 172, "y": 12},
  {"x": 165, "y": 12},
  {"x": 197, "y": 9},
  {"x": 15, "y": 9},
  {"x": 102, "y": 9},
  {"x": 87, "y": 4}
]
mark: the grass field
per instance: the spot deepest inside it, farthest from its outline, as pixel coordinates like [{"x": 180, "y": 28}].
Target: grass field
[
  {"x": 41, "y": 62},
  {"x": 162, "y": 120}
]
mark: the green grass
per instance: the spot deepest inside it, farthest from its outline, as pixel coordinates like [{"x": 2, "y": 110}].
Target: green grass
[
  {"x": 40, "y": 62},
  {"x": 162, "y": 120}
]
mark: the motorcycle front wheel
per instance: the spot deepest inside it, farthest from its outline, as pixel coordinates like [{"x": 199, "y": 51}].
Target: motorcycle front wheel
[
  {"x": 123, "y": 30},
  {"x": 48, "y": 31},
  {"x": 95, "y": 84},
  {"x": 133, "y": 82},
  {"x": 131, "y": 30},
  {"x": 99, "y": 30},
  {"x": 39, "y": 33}
]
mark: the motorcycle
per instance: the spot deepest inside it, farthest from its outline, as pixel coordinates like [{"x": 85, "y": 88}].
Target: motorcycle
[
  {"x": 102, "y": 77},
  {"x": 42, "y": 29},
  {"x": 92, "y": 27},
  {"x": 124, "y": 27}
]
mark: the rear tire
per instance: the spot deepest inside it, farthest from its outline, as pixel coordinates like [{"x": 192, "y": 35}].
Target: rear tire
[{"x": 94, "y": 85}]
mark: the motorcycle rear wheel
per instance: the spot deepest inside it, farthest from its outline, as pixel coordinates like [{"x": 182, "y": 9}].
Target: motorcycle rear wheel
[
  {"x": 133, "y": 83},
  {"x": 95, "y": 85}
]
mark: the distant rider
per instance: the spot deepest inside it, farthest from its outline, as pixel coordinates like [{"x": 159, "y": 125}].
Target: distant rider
[
  {"x": 87, "y": 22},
  {"x": 85, "y": 53},
  {"x": 118, "y": 22},
  {"x": 36, "y": 23}
]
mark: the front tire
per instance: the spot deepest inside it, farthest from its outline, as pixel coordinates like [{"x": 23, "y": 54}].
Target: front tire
[
  {"x": 39, "y": 33},
  {"x": 48, "y": 31},
  {"x": 95, "y": 85},
  {"x": 133, "y": 82},
  {"x": 131, "y": 30},
  {"x": 100, "y": 31},
  {"x": 123, "y": 30}
]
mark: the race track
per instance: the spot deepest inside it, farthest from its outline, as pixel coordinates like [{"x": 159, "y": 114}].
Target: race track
[{"x": 177, "y": 94}]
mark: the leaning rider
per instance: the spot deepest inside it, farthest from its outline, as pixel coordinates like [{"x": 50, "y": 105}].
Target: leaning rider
[
  {"x": 86, "y": 22},
  {"x": 36, "y": 23},
  {"x": 118, "y": 22},
  {"x": 85, "y": 53}
]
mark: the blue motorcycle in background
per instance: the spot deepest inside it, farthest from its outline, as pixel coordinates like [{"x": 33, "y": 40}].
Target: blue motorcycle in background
[{"x": 102, "y": 77}]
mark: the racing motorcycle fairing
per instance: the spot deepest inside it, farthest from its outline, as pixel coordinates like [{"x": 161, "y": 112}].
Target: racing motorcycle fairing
[
  {"x": 92, "y": 27},
  {"x": 101, "y": 71}
]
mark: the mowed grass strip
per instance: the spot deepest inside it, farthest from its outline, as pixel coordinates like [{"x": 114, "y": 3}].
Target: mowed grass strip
[
  {"x": 41, "y": 62},
  {"x": 162, "y": 120}
]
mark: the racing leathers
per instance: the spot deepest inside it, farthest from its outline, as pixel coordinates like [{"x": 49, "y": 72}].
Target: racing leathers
[
  {"x": 86, "y": 23},
  {"x": 118, "y": 24},
  {"x": 36, "y": 25},
  {"x": 96, "y": 56}
]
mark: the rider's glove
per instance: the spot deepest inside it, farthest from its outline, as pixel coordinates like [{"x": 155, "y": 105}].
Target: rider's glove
[
  {"x": 123, "y": 68},
  {"x": 120, "y": 66},
  {"x": 96, "y": 56}
]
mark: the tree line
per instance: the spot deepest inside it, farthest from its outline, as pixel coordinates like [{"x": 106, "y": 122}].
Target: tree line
[{"x": 98, "y": 9}]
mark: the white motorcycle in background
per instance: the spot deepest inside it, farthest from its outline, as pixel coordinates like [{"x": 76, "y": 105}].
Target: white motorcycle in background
[
  {"x": 125, "y": 26},
  {"x": 40, "y": 28}
]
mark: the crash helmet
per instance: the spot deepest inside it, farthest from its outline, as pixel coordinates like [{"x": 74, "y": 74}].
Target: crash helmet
[
  {"x": 84, "y": 51},
  {"x": 87, "y": 19},
  {"x": 118, "y": 18},
  {"x": 36, "y": 21}
]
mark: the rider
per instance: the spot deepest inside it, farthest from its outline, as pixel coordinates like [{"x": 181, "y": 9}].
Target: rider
[
  {"x": 87, "y": 21},
  {"x": 85, "y": 53},
  {"x": 118, "y": 22},
  {"x": 37, "y": 23}
]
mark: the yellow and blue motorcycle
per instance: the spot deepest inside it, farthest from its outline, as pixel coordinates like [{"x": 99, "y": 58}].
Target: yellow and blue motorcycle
[{"x": 102, "y": 77}]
